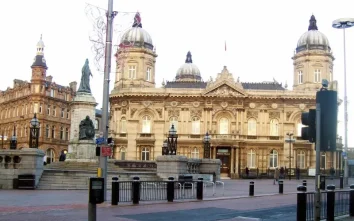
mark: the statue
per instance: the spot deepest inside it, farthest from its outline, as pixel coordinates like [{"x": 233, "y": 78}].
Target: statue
[
  {"x": 87, "y": 129},
  {"x": 85, "y": 78}
]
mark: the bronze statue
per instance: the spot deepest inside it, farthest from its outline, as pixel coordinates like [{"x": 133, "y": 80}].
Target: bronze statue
[
  {"x": 87, "y": 129},
  {"x": 85, "y": 78}
]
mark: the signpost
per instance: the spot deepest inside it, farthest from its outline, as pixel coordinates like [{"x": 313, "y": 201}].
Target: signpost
[{"x": 106, "y": 151}]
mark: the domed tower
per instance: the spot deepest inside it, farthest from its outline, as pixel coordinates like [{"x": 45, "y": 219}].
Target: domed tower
[
  {"x": 135, "y": 58},
  {"x": 188, "y": 71},
  {"x": 39, "y": 68},
  {"x": 313, "y": 60}
]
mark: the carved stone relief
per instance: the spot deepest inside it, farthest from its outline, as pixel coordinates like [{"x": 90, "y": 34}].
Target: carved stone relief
[
  {"x": 132, "y": 112},
  {"x": 288, "y": 114},
  {"x": 225, "y": 91},
  {"x": 124, "y": 111},
  {"x": 124, "y": 103},
  {"x": 302, "y": 106},
  {"x": 174, "y": 103},
  {"x": 224, "y": 104},
  {"x": 173, "y": 113},
  {"x": 159, "y": 111},
  {"x": 253, "y": 114},
  {"x": 274, "y": 114},
  {"x": 252, "y": 105},
  {"x": 147, "y": 103},
  {"x": 274, "y": 106},
  {"x": 196, "y": 113},
  {"x": 195, "y": 104}
]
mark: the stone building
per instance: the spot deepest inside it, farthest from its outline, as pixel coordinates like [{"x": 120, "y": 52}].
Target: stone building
[
  {"x": 248, "y": 121},
  {"x": 50, "y": 102}
]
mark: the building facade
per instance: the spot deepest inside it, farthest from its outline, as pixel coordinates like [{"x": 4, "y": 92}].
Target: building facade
[
  {"x": 43, "y": 97},
  {"x": 249, "y": 123}
]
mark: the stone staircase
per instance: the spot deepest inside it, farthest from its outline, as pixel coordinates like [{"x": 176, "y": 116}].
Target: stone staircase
[{"x": 74, "y": 175}]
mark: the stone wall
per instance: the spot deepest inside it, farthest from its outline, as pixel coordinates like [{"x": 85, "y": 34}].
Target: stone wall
[{"x": 20, "y": 162}]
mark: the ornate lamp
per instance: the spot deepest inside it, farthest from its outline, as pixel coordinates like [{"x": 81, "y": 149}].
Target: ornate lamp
[
  {"x": 172, "y": 141},
  {"x": 34, "y": 132},
  {"x": 206, "y": 142},
  {"x": 13, "y": 142},
  {"x": 165, "y": 148}
]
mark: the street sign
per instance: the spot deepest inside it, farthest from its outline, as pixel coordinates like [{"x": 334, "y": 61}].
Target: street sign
[
  {"x": 344, "y": 154},
  {"x": 99, "y": 140},
  {"x": 106, "y": 151}
]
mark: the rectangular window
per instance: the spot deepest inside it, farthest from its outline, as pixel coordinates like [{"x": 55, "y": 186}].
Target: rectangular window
[
  {"x": 317, "y": 76},
  {"x": 66, "y": 134},
  {"x": 132, "y": 71},
  {"x": 40, "y": 108},
  {"x": 252, "y": 127},
  {"x": 300, "y": 79},
  {"x": 122, "y": 155},
  {"x": 47, "y": 131},
  {"x": 52, "y": 92},
  {"x": 123, "y": 128},
  {"x": 195, "y": 127},
  {"x": 146, "y": 126},
  {"x": 67, "y": 113},
  {"x": 48, "y": 110},
  {"x": 61, "y": 133},
  {"x": 35, "y": 108},
  {"x": 53, "y": 132},
  {"x": 148, "y": 74},
  {"x": 54, "y": 111},
  {"x": 62, "y": 112}
]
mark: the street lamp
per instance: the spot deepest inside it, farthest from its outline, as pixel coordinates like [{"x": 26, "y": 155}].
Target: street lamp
[
  {"x": 13, "y": 142},
  {"x": 289, "y": 140},
  {"x": 344, "y": 23},
  {"x": 165, "y": 148},
  {"x": 172, "y": 141},
  {"x": 206, "y": 142},
  {"x": 34, "y": 132}
]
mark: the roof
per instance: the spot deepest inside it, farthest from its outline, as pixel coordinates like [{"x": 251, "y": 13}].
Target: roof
[
  {"x": 39, "y": 61},
  {"x": 98, "y": 113},
  {"x": 185, "y": 84},
  {"x": 262, "y": 86}
]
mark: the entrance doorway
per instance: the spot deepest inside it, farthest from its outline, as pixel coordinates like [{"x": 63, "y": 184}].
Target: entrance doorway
[{"x": 223, "y": 154}]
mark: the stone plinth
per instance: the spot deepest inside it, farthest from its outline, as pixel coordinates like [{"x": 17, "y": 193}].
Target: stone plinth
[
  {"x": 20, "y": 162},
  {"x": 210, "y": 166},
  {"x": 83, "y": 150},
  {"x": 171, "y": 165}
]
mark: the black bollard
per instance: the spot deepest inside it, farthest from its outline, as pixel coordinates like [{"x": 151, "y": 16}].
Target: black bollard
[
  {"x": 341, "y": 183},
  {"x": 281, "y": 186},
  {"x": 115, "y": 191},
  {"x": 136, "y": 190},
  {"x": 301, "y": 203},
  {"x": 304, "y": 183},
  {"x": 200, "y": 189},
  {"x": 251, "y": 188},
  {"x": 351, "y": 201},
  {"x": 330, "y": 202},
  {"x": 170, "y": 189}
]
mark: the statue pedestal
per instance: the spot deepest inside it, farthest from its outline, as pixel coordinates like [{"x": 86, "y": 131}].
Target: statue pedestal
[{"x": 82, "y": 151}]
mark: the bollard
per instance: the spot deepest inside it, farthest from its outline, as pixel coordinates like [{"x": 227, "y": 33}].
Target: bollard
[
  {"x": 281, "y": 186},
  {"x": 170, "y": 189},
  {"x": 200, "y": 189},
  {"x": 136, "y": 190},
  {"x": 351, "y": 201},
  {"x": 301, "y": 203},
  {"x": 304, "y": 183},
  {"x": 251, "y": 188},
  {"x": 330, "y": 202},
  {"x": 341, "y": 183},
  {"x": 115, "y": 191}
]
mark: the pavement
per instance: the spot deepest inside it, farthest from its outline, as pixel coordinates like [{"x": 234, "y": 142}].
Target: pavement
[{"x": 232, "y": 204}]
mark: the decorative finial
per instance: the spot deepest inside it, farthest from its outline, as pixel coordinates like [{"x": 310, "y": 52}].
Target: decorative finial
[
  {"x": 137, "y": 21},
  {"x": 313, "y": 23},
  {"x": 286, "y": 84},
  {"x": 163, "y": 82},
  {"x": 40, "y": 47},
  {"x": 189, "y": 57},
  {"x": 41, "y": 36}
]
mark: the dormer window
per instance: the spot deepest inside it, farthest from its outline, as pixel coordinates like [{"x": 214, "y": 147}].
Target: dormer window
[
  {"x": 52, "y": 92},
  {"x": 132, "y": 71},
  {"x": 148, "y": 74},
  {"x": 300, "y": 77},
  {"x": 317, "y": 76}
]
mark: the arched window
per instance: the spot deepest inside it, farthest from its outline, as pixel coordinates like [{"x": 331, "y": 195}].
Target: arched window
[
  {"x": 146, "y": 128},
  {"x": 61, "y": 133},
  {"x": 46, "y": 131},
  {"x": 123, "y": 125},
  {"x": 148, "y": 74},
  {"x": 301, "y": 159},
  {"x": 273, "y": 159},
  {"x": 66, "y": 133},
  {"x": 195, "y": 125},
  {"x": 317, "y": 76},
  {"x": 122, "y": 154},
  {"x": 50, "y": 154},
  {"x": 300, "y": 77},
  {"x": 145, "y": 153},
  {"x": 274, "y": 127},
  {"x": 251, "y": 159},
  {"x": 174, "y": 121},
  {"x": 323, "y": 160},
  {"x": 224, "y": 126},
  {"x": 252, "y": 127},
  {"x": 53, "y": 131},
  {"x": 195, "y": 153},
  {"x": 96, "y": 124}
]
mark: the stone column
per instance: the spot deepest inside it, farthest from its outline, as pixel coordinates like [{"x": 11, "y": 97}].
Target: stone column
[
  {"x": 237, "y": 160},
  {"x": 232, "y": 162}
]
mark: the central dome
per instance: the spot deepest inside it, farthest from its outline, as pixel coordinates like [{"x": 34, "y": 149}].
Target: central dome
[
  {"x": 188, "y": 71},
  {"x": 136, "y": 36},
  {"x": 313, "y": 39}
]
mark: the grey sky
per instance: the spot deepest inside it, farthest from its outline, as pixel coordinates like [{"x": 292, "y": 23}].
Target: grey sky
[{"x": 261, "y": 37}]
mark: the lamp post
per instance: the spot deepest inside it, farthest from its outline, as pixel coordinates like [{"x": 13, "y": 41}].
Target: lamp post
[
  {"x": 13, "y": 142},
  {"x": 289, "y": 140},
  {"x": 344, "y": 23},
  {"x": 34, "y": 132},
  {"x": 172, "y": 141},
  {"x": 165, "y": 148},
  {"x": 206, "y": 142}
]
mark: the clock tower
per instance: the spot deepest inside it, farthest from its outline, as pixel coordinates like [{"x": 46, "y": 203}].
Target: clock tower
[{"x": 39, "y": 69}]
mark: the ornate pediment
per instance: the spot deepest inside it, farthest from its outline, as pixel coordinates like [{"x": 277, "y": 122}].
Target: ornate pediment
[{"x": 225, "y": 90}]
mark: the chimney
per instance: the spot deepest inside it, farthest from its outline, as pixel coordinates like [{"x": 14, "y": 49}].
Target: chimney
[
  {"x": 73, "y": 85},
  {"x": 49, "y": 78}
]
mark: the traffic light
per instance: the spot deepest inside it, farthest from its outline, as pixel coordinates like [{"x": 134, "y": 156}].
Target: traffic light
[
  {"x": 109, "y": 140},
  {"x": 329, "y": 110},
  {"x": 309, "y": 119}
]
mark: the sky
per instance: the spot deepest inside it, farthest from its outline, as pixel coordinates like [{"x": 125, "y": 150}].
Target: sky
[{"x": 261, "y": 37}]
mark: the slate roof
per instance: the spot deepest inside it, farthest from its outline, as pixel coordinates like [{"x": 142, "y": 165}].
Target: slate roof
[
  {"x": 39, "y": 62},
  {"x": 176, "y": 84},
  {"x": 246, "y": 85}
]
